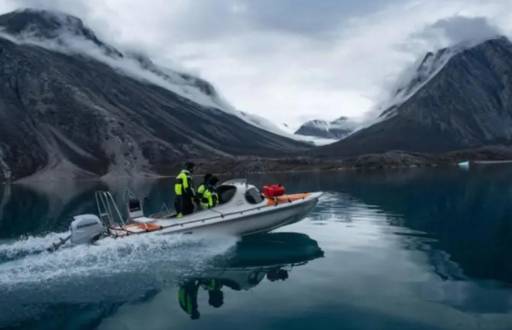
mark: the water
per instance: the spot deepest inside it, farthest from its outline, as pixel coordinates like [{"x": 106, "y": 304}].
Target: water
[{"x": 416, "y": 249}]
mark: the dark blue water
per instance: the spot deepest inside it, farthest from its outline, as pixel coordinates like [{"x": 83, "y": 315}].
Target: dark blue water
[{"x": 416, "y": 249}]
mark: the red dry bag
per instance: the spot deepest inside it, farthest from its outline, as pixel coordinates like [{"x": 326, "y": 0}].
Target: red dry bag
[{"x": 273, "y": 190}]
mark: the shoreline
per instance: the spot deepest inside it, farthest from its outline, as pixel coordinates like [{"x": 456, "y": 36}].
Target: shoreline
[
  {"x": 241, "y": 166},
  {"x": 156, "y": 177}
]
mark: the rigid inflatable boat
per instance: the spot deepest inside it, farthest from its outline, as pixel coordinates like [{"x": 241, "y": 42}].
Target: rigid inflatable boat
[{"x": 242, "y": 210}]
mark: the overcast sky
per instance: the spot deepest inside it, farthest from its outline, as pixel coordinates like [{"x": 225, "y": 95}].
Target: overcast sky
[{"x": 289, "y": 60}]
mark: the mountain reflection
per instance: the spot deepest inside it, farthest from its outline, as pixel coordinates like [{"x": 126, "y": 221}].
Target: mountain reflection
[
  {"x": 436, "y": 240},
  {"x": 466, "y": 215},
  {"x": 42, "y": 207}
]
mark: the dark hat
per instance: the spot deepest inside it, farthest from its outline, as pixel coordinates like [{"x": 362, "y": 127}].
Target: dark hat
[
  {"x": 215, "y": 298},
  {"x": 189, "y": 165},
  {"x": 214, "y": 180}
]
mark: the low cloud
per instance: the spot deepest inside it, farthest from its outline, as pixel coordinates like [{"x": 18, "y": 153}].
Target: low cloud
[
  {"x": 460, "y": 29},
  {"x": 289, "y": 60}
]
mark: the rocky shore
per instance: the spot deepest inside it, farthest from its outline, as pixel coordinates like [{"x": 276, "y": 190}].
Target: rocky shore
[
  {"x": 388, "y": 160},
  {"x": 243, "y": 165}
]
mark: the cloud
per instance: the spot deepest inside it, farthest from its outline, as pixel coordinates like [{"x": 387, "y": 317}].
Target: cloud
[
  {"x": 460, "y": 29},
  {"x": 290, "y": 59}
]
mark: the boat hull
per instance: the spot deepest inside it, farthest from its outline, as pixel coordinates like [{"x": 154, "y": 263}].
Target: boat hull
[
  {"x": 253, "y": 224},
  {"x": 248, "y": 224}
]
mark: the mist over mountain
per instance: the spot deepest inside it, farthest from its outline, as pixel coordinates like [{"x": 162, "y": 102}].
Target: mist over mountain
[
  {"x": 457, "y": 98},
  {"x": 71, "y": 105}
]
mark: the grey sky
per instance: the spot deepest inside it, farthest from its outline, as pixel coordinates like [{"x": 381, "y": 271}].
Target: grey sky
[{"x": 289, "y": 60}]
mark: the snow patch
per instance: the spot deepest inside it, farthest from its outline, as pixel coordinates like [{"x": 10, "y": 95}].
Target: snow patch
[
  {"x": 316, "y": 141},
  {"x": 415, "y": 78},
  {"x": 342, "y": 123},
  {"x": 335, "y": 130}
]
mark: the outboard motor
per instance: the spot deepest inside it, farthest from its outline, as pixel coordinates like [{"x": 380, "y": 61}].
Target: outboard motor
[{"x": 85, "y": 228}]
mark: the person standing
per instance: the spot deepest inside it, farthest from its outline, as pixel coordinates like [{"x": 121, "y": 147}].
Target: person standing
[{"x": 184, "y": 190}]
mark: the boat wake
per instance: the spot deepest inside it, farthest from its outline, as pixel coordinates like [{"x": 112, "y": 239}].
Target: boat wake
[
  {"x": 117, "y": 270},
  {"x": 27, "y": 245},
  {"x": 114, "y": 267},
  {"x": 27, "y": 260}
]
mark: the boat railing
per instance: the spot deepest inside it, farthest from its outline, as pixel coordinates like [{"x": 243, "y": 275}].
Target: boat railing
[{"x": 107, "y": 209}]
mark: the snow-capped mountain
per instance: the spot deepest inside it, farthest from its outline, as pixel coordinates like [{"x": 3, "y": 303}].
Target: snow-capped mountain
[
  {"x": 459, "y": 97},
  {"x": 418, "y": 75},
  {"x": 65, "y": 33},
  {"x": 335, "y": 129},
  {"x": 415, "y": 78},
  {"x": 72, "y": 104}
]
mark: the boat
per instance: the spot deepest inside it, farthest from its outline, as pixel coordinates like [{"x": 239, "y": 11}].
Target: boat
[
  {"x": 242, "y": 210},
  {"x": 464, "y": 164}
]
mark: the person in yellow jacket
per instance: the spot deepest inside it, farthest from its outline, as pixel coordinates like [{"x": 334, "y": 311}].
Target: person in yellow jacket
[
  {"x": 207, "y": 192},
  {"x": 184, "y": 190},
  {"x": 202, "y": 186}
]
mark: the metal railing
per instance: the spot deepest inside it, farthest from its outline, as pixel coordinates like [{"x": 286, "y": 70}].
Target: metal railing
[{"x": 107, "y": 209}]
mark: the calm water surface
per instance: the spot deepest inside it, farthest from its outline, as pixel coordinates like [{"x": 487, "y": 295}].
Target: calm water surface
[{"x": 418, "y": 249}]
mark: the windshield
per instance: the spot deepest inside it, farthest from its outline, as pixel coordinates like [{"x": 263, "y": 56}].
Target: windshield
[
  {"x": 253, "y": 196},
  {"x": 226, "y": 193}
]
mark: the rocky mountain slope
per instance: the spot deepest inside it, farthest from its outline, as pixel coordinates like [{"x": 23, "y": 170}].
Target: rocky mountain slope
[
  {"x": 72, "y": 105},
  {"x": 335, "y": 129},
  {"x": 458, "y": 98}
]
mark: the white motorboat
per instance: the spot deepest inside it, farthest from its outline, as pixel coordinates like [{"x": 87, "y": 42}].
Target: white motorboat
[
  {"x": 242, "y": 210},
  {"x": 464, "y": 164}
]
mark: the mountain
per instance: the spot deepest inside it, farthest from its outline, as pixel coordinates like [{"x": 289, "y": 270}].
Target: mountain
[
  {"x": 457, "y": 98},
  {"x": 335, "y": 129},
  {"x": 72, "y": 105}
]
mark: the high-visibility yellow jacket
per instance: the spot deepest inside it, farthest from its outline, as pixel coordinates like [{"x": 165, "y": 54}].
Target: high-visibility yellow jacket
[
  {"x": 208, "y": 197},
  {"x": 183, "y": 185},
  {"x": 201, "y": 189}
]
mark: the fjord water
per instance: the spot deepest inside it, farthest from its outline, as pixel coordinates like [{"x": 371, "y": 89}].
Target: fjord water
[{"x": 415, "y": 249}]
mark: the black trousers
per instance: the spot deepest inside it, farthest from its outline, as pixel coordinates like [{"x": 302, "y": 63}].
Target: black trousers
[{"x": 184, "y": 204}]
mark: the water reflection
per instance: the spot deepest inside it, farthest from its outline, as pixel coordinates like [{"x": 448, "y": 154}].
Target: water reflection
[
  {"x": 254, "y": 259},
  {"x": 125, "y": 274},
  {"x": 468, "y": 217},
  {"x": 465, "y": 214},
  {"x": 416, "y": 249},
  {"x": 42, "y": 207}
]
